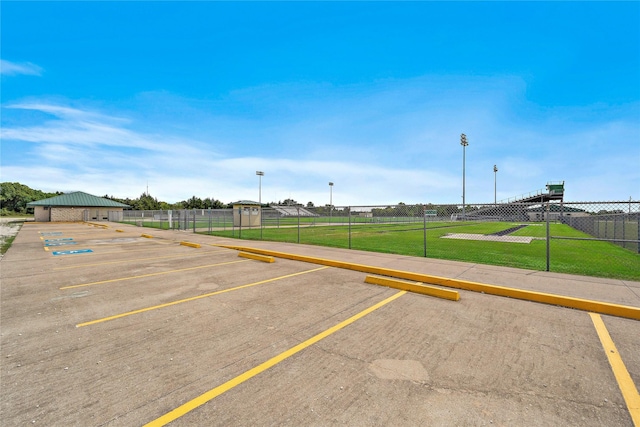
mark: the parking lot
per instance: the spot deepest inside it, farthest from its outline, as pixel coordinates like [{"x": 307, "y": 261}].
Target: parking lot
[{"x": 117, "y": 325}]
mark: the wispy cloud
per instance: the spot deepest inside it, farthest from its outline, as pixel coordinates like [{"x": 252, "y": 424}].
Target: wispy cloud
[
  {"x": 84, "y": 128},
  {"x": 8, "y": 68},
  {"x": 388, "y": 142}
]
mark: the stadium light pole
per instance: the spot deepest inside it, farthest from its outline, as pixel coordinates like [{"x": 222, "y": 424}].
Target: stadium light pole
[
  {"x": 330, "y": 200},
  {"x": 331, "y": 194},
  {"x": 260, "y": 175},
  {"x": 464, "y": 143},
  {"x": 495, "y": 184}
]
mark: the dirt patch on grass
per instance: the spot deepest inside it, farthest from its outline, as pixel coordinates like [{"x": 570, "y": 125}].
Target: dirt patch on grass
[{"x": 9, "y": 227}]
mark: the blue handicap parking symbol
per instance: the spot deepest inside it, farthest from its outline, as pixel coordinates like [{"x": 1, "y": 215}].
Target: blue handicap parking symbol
[
  {"x": 61, "y": 243},
  {"x": 78, "y": 251}
]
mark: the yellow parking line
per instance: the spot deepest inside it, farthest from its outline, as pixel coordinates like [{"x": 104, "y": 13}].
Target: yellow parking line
[
  {"x": 625, "y": 382},
  {"x": 247, "y": 375},
  {"x": 150, "y": 275},
  {"x": 541, "y": 297},
  {"x": 155, "y": 307},
  {"x": 138, "y": 259}
]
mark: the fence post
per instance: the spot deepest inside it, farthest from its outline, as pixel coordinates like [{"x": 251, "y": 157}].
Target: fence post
[
  {"x": 298, "y": 224},
  {"x": 194, "y": 221},
  {"x": 349, "y": 227},
  {"x": 638, "y": 227},
  {"x": 548, "y": 240},
  {"x": 424, "y": 223}
]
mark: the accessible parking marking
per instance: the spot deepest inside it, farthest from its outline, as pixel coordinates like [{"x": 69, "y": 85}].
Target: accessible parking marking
[
  {"x": 78, "y": 251},
  {"x": 247, "y": 375},
  {"x": 168, "y": 304}
]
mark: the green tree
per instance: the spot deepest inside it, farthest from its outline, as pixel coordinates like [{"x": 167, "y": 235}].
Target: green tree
[
  {"x": 146, "y": 203},
  {"x": 15, "y": 196}
]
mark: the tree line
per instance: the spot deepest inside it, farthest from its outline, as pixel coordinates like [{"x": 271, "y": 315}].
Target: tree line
[
  {"x": 146, "y": 202},
  {"x": 14, "y": 197}
]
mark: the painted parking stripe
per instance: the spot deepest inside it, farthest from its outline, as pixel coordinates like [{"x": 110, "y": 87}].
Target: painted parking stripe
[
  {"x": 215, "y": 392},
  {"x": 79, "y": 251},
  {"x": 168, "y": 304},
  {"x": 59, "y": 240},
  {"x": 601, "y": 307},
  {"x": 53, "y": 233},
  {"x": 151, "y": 274},
  {"x": 138, "y": 259},
  {"x": 625, "y": 382}
]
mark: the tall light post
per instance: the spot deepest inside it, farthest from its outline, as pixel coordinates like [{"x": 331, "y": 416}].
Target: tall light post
[
  {"x": 330, "y": 200},
  {"x": 464, "y": 143},
  {"x": 331, "y": 194},
  {"x": 260, "y": 174},
  {"x": 495, "y": 184}
]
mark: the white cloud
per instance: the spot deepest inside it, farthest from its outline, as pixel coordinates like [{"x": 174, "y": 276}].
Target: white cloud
[
  {"x": 380, "y": 144},
  {"x": 8, "y": 68}
]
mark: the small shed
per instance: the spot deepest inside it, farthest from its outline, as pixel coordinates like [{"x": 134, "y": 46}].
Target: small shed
[
  {"x": 77, "y": 206},
  {"x": 247, "y": 213}
]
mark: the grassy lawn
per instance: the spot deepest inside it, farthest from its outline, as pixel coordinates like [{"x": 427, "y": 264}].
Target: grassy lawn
[{"x": 590, "y": 258}]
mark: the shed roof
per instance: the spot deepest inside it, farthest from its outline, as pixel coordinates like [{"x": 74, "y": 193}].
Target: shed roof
[
  {"x": 246, "y": 202},
  {"x": 78, "y": 198}
]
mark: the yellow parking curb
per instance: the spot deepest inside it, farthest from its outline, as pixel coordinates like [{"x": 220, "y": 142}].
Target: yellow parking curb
[
  {"x": 541, "y": 297},
  {"x": 256, "y": 257},
  {"x": 193, "y": 245},
  {"x": 418, "y": 288}
]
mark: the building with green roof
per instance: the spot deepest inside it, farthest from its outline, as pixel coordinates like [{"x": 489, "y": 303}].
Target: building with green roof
[{"x": 77, "y": 206}]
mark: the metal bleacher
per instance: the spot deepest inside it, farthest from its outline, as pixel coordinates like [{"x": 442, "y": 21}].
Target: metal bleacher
[
  {"x": 515, "y": 207},
  {"x": 293, "y": 211}
]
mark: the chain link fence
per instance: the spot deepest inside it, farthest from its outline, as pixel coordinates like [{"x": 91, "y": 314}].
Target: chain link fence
[{"x": 592, "y": 238}]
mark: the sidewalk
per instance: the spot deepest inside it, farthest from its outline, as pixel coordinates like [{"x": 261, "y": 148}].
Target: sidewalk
[{"x": 615, "y": 291}]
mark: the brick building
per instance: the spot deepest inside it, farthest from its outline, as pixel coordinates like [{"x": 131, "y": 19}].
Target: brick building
[{"x": 77, "y": 206}]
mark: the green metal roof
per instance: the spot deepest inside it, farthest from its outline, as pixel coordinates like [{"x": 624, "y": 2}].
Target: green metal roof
[
  {"x": 78, "y": 198},
  {"x": 246, "y": 202}
]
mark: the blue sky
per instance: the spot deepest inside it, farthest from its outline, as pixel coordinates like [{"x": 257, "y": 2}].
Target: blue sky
[{"x": 192, "y": 98}]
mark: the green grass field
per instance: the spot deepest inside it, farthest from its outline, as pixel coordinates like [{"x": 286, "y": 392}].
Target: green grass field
[{"x": 590, "y": 258}]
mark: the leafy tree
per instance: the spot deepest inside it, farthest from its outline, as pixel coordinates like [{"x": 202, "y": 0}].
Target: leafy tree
[
  {"x": 213, "y": 203},
  {"x": 146, "y": 203},
  {"x": 193, "y": 203},
  {"x": 290, "y": 202},
  {"x": 15, "y": 196}
]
